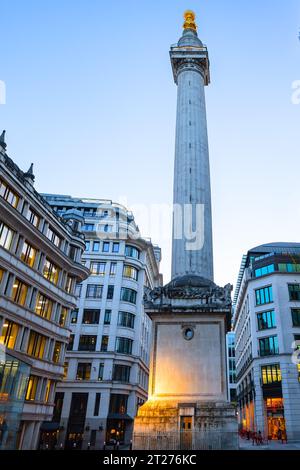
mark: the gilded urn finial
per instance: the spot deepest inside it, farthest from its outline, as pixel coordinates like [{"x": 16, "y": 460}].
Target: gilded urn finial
[{"x": 189, "y": 23}]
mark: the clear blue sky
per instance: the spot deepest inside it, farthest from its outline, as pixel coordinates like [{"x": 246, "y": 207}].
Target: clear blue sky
[{"x": 91, "y": 101}]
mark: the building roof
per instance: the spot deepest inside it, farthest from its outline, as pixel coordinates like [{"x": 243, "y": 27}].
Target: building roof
[{"x": 290, "y": 248}]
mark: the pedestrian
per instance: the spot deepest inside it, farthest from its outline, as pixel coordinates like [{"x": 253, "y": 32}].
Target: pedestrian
[
  {"x": 279, "y": 435},
  {"x": 259, "y": 438}
]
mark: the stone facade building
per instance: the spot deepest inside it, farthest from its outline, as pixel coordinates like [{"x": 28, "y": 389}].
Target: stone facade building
[
  {"x": 267, "y": 327},
  {"x": 40, "y": 265},
  {"x": 107, "y": 362}
]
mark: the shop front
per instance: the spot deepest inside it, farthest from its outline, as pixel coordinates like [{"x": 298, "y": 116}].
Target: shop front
[
  {"x": 275, "y": 418},
  {"x": 14, "y": 375}
]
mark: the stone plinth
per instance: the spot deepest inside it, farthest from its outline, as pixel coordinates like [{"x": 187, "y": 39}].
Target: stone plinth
[{"x": 188, "y": 405}]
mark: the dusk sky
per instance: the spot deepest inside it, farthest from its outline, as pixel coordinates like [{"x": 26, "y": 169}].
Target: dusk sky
[{"x": 90, "y": 100}]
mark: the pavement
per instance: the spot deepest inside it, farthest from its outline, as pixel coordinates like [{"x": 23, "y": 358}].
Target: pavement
[{"x": 271, "y": 445}]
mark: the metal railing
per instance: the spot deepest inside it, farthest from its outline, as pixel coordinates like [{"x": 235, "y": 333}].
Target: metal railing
[{"x": 186, "y": 440}]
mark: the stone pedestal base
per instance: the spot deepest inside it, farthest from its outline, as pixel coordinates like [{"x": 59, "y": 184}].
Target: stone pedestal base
[{"x": 172, "y": 425}]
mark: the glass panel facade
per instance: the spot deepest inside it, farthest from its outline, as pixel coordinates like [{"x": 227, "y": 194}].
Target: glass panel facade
[
  {"x": 268, "y": 346},
  {"x": 264, "y": 295},
  {"x": 13, "y": 384},
  {"x": 265, "y": 270},
  {"x": 266, "y": 320}
]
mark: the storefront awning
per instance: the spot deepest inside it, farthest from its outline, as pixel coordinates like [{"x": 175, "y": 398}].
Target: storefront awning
[{"x": 119, "y": 416}]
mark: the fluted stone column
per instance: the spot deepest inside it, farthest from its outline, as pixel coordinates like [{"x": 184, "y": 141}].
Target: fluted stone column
[{"x": 191, "y": 173}]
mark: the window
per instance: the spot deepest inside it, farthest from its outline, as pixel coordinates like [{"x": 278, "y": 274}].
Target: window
[
  {"x": 66, "y": 369},
  {"x": 43, "y": 306},
  {"x": 126, "y": 319},
  {"x": 9, "y": 194},
  {"x": 74, "y": 316},
  {"x": 266, "y": 320},
  {"x": 118, "y": 403},
  {"x": 9, "y": 334},
  {"x": 71, "y": 343},
  {"x": 87, "y": 343},
  {"x": 110, "y": 292},
  {"x": 268, "y": 346},
  {"x": 63, "y": 316},
  {"x": 51, "y": 271},
  {"x": 128, "y": 295},
  {"x": 91, "y": 317},
  {"x": 94, "y": 291},
  {"x": 294, "y": 291},
  {"x": 36, "y": 345},
  {"x": 78, "y": 290},
  {"x": 87, "y": 245},
  {"x": 53, "y": 237},
  {"x": 96, "y": 246},
  {"x": 70, "y": 283},
  {"x": 97, "y": 268},
  {"x": 289, "y": 267},
  {"x": 28, "y": 254},
  {"x": 58, "y": 405},
  {"x": 265, "y": 270},
  {"x": 271, "y": 374},
  {"x": 73, "y": 252},
  {"x": 121, "y": 373},
  {"x": 107, "y": 317},
  {"x": 6, "y": 236},
  {"x": 124, "y": 345},
  {"x": 116, "y": 247},
  {"x": 31, "y": 388},
  {"x": 113, "y": 269},
  {"x": 56, "y": 352},
  {"x": 296, "y": 316},
  {"x": 264, "y": 295},
  {"x": 105, "y": 247},
  {"x": 130, "y": 272},
  {"x": 104, "y": 343},
  {"x": 33, "y": 218},
  {"x": 101, "y": 371},
  {"x": 88, "y": 228},
  {"x": 83, "y": 371},
  {"x": 97, "y": 404},
  {"x": 132, "y": 252},
  {"x": 19, "y": 292}
]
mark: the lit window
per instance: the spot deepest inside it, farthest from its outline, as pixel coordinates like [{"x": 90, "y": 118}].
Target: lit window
[
  {"x": 104, "y": 343},
  {"x": 130, "y": 272},
  {"x": 83, "y": 371},
  {"x": 56, "y": 352},
  {"x": 53, "y": 237},
  {"x": 63, "y": 316},
  {"x": 43, "y": 306},
  {"x": 28, "y": 254},
  {"x": 97, "y": 268},
  {"x": 9, "y": 194},
  {"x": 51, "y": 271},
  {"x": 19, "y": 292},
  {"x": 9, "y": 334},
  {"x": 31, "y": 388},
  {"x": 87, "y": 343},
  {"x": 91, "y": 317},
  {"x": 271, "y": 374},
  {"x": 36, "y": 345},
  {"x": 33, "y": 218},
  {"x": 6, "y": 236}
]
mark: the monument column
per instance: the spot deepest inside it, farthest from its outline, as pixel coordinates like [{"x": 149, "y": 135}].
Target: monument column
[
  {"x": 192, "y": 193},
  {"x": 188, "y": 404}
]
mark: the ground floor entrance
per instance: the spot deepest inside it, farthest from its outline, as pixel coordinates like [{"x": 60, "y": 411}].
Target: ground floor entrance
[
  {"x": 275, "y": 418},
  {"x": 186, "y": 435}
]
